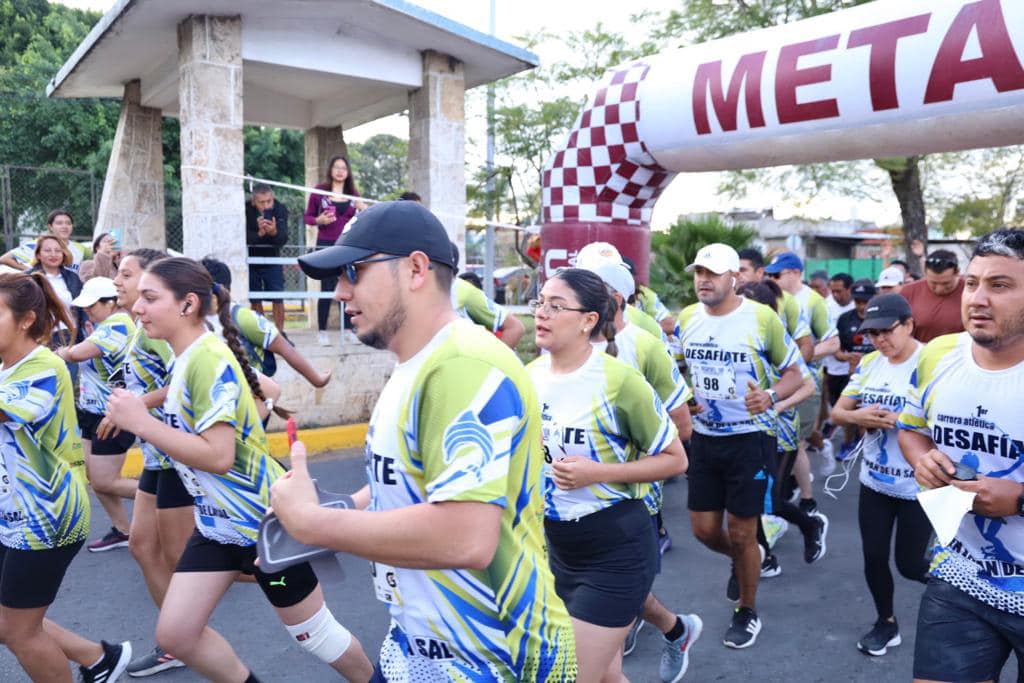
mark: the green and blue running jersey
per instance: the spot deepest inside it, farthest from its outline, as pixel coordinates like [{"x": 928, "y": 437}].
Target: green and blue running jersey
[
  {"x": 459, "y": 421},
  {"x": 878, "y": 382},
  {"x": 605, "y": 411},
  {"x": 257, "y": 332},
  {"x": 146, "y": 367},
  {"x": 787, "y": 434},
  {"x": 640, "y": 350},
  {"x": 207, "y": 387},
  {"x": 724, "y": 353},
  {"x": 472, "y": 304},
  {"x": 44, "y": 502},
  {"x": 25, "y": 253},
  {"x": 634, "y": 315},
  {"x": 112, "y": 337},
  {"x": 970, "y": 414},
  {"x": 648, "y": 301}
]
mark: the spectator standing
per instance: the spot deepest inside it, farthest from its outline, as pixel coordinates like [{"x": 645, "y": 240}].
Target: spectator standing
[
  {"x": 105, "y": 257},
  {"x": 935, "y": 300},
  {"x": 330, "y": 214},
  {"x": 59, "y": 223},
  {"x": 266, "y": 231}
]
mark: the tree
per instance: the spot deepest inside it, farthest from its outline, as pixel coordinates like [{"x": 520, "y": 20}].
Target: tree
[
  {"x": 381, "y": 166},
  {"x": 676, "y": 248}
]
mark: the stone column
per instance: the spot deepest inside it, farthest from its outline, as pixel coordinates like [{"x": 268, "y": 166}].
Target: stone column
[
  {"x": 437, "y": 132},
  {"x": 210, "y": 97},
  {"x": 322, "y": 143},
  {"x": 132, "y": 204}
]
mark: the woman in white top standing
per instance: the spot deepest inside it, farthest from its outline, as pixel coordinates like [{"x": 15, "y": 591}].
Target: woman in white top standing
[
  {"x": 606, "y": 437},
  {"x": 873, "y": 400}
]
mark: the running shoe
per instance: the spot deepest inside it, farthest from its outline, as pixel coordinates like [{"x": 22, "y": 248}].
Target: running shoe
[
  {"x": 109, "y": 669},
  {"x": 664, "y": 541},
  {"x": 828, "y": 459},
  {"x": 113, "y": 539},
  {"x": 732, "y": 589},
  {"x": 153, "y": 663},
  {"x": 774, "y": 528},
  {"x": 630, "y": 644},
  {"x": 743, "y": 630},
  {"x": 814, "y": 544},
  {"x": 880, "y": 638},
  {"x": 323, "y": 339},
  {"x": 675, "y": 656},
  {"x": 770, "y": 567},
  {"x": 808, "y": 506}
]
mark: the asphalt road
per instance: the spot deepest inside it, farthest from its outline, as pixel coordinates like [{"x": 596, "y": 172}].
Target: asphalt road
[{"x": 812, "y": 614}]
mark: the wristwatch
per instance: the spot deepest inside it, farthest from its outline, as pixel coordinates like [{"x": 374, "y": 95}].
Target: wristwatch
[
  {"x": 773, "y": 395},
  {"x": 1020, "y": 506}
]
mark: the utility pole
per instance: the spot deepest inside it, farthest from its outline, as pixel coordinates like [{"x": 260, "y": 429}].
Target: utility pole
[{"x": 489, "y": 187}]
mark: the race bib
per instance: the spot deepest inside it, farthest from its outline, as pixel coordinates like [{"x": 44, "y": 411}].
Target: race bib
[
  {"x": 189, "y": 480},
  {"x": 551, "y": 435},
  {"x": 714, "y": 381},
  {"x": 385, "y": 583}
]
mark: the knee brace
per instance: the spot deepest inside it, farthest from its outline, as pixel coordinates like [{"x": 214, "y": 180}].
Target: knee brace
[{"x": 322, "y": 635}]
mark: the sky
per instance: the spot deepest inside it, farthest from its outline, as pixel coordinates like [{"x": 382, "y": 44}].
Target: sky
[{"x": 690, "y": 192}]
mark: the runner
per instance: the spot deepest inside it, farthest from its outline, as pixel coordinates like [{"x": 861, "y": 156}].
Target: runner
[
  {"x": 607, "y": 435},
  {"x": 960, "y": 410},
  {"x": 872, "y": 400},
  {"x": 261, "y": 340},
  {"x": 732, "y": 346},
  {"x": 752, "y": 270},
  {"x": 472, "y": 304},
  {"x": 642, "y": 351},
  {"x": 212, "y": 433},
  {"x": 59, "y": 223},
  {"x": 44, "y": 502},
  {"x": 162, "y": 517},
  {"x": 648, "y": 301},
  {"x": 451, "y": 518},
  {"x": 101, "y": 359}
]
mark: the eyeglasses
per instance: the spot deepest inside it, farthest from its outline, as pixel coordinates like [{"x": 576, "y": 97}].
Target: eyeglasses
[
  {"x": 882, "y": 333},
  {"x": 774, "y": 276},
  {"x": 352, "y": 274},
  {"x": 937, "y": 264},
  {"x": 550, "y": 308}
]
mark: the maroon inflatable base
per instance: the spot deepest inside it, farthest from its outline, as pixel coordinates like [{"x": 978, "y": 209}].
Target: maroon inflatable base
[{"x": 560, "y": 242}]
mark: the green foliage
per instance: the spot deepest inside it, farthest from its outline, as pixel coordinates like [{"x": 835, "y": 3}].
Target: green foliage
[
  {"x": 975, "y": 215},
  {"x": 380, "y": 165},
  {"x": 676, "y": 248}
]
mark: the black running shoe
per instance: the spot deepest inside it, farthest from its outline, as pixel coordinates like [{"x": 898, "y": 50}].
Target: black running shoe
[
  {"x": 881, "y": 637},
  {"x": 743, "y": 630},
  {"x": 814, "y": 543},
  {"x": 115, "y": 661}
]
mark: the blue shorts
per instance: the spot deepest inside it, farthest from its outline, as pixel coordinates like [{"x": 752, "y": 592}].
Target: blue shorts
[
  {"x": 266, "y": 278},
  {"x": 960, "y": 638}
]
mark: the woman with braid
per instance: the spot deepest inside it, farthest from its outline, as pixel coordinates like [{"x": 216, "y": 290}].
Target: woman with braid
[{"x": 212, "y": 433}]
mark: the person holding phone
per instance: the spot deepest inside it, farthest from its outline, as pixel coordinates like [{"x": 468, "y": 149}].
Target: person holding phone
[
  {"x": 330, "y": 214},
  {"x": 266, "y": 231}
]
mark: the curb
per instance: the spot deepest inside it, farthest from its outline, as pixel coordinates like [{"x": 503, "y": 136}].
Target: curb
[{"x": 319, "y": 440}]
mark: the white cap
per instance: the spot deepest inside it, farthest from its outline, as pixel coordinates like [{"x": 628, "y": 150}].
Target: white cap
[
  {"x": 94, "y": 289},
  {"x": 605, "y": 261},
  {"x": 718, "y": 258},
  {"x": 890, "y": 277}
]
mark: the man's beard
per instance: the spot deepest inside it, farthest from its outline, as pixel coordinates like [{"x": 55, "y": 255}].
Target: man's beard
[
  {"x": 1005, "y": 335},
  {"x": 380, "y": 336}
]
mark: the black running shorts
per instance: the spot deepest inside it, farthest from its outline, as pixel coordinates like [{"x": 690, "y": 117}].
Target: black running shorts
[
  {"x": 30, "y": 579},
  {"x": 117, "y": 445},
  {"x": 283, "y": 589},
  {"x": 604, "y": 564},
  {"x": 166, "y": 485},
  {"x": 729, "y": 472},
  {"x": 960, "y": 638}
]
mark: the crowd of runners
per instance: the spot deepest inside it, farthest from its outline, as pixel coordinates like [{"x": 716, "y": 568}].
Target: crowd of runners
[{"x": 512, "y": 516}]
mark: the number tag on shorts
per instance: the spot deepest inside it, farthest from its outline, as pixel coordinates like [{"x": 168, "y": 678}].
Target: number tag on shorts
[
  {"x": 189, "y": 481},
  {"x": 385, "y": 583},
  {"x": 714, "y": 381}
]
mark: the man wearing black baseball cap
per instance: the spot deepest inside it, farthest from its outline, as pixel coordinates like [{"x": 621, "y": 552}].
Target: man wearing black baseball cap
[{"x": 454, "y": 463}]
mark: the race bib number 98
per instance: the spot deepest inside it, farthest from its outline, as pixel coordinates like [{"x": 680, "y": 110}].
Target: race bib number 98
[{"x": 714, "y": 381}]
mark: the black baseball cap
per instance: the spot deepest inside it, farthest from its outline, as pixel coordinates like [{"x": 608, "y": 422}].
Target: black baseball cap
[
  {"x": 884, "y": 311},
  {"x": 398, "y": 228},
  {"x": 863, "y": 290}
]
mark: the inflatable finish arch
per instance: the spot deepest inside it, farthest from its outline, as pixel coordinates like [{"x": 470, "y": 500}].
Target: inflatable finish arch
[{"x": 890, "y": 78}]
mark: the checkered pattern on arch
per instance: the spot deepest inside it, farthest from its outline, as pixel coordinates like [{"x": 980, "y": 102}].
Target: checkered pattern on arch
[{"x": 604, "y": 172}]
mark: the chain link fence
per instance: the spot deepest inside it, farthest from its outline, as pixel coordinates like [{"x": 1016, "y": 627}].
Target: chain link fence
[{"x": 29, "y": 193}]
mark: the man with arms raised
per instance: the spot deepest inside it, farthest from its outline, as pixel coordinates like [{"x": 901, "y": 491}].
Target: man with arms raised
[
  {"x": 451, "y": 519},
  {"x": 962, "y": 420}
]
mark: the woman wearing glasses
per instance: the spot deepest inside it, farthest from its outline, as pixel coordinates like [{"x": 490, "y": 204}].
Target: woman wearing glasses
[
  {"x": 872, "y": 401},
  {"x": 606, "y": 435}
]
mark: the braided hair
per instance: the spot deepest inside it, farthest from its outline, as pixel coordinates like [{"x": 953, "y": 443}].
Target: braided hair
[{"x": 183, "y": 276}]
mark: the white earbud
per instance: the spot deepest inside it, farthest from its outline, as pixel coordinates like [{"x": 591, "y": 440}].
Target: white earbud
[{"x": 734, "y": 283}]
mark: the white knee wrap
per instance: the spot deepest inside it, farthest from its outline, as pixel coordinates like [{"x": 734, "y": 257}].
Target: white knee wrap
[{"x": 322, "y": 635}]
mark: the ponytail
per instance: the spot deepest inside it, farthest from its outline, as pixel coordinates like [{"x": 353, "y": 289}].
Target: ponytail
[
  {"x": 27, "y": 293},
  {"x": 607, "y": 325},
  {"x": 594, "y": 296}
]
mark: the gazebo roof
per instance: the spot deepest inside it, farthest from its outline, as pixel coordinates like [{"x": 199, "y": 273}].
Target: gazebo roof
[{"x": 306, "y": 63}]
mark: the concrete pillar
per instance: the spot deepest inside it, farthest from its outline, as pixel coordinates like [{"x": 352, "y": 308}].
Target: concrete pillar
[
  {"x": 437, "y": 148},
  {"x": 210, "y": 97},
  {"x": 132, "y": 203},
  {"x": 322, "y": 143}
]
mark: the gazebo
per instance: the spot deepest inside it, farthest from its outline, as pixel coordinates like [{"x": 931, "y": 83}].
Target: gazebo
[{"x": 322, "y": 66}]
